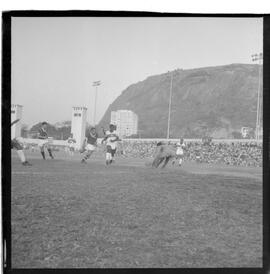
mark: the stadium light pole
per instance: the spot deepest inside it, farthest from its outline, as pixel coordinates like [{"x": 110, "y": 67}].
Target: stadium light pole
[
  {"x": 259, "y": 58},
  {"x": 95, "y": 84},
  {"x": 170, "y": 104}
]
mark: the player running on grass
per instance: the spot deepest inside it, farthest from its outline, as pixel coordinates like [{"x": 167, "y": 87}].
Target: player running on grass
[
  {"x": 43, "y": 136},
  {"x": 164, "y": 153},
  {"x": 180, "y": 151},
  {"x": 90, "y": 144},
  {"x": 15, "y": 144},
  {"x": 111, "y": 138}
]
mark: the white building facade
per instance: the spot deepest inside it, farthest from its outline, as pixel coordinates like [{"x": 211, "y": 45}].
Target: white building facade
[
  {"x": 126, "y": 122},
  {"x": 16, "y": 113},
  {"x": 78, "y": 125}
]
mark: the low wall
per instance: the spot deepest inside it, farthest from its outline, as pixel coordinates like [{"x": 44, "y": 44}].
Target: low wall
[{"x": 64, "y": 142}]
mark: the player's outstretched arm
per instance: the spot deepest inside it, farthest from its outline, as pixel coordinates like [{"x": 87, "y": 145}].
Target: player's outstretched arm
[
  {"x": 116, "y": 139},
  {"x": 14, "y": 122},
  {"x": 42, "y": 137},
  {"x": 104, "y": 139}
]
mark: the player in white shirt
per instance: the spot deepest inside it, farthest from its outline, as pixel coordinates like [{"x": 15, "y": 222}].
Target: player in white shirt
[
  {"x": 180, "y": 146},
  {"x": 111, "y": 139},
  {"x": 71, "y": 144}
]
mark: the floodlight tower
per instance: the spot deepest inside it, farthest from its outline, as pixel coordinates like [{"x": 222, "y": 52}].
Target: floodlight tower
[
  {"x": 95, "y": 84},
  {"x": 169, "y": 112},
  {"x": 16, "y": 113},
  {"x": 259, "y": 58}
]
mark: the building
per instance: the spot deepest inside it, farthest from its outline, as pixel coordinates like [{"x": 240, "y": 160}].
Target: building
[
  {"x": 16, "y": 113},
  {"x": 78, "y": 125},
  {"x": 126, "y": 122}
]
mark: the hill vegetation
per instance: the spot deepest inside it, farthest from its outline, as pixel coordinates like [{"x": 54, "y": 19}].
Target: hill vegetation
[{"x": 217, "y": 101}]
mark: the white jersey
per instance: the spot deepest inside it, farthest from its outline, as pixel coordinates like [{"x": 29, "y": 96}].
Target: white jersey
[
  {"x": 71, "y": 142},
  {"x": 111, "y": 136},
  {"x": 180, "y": 148}
]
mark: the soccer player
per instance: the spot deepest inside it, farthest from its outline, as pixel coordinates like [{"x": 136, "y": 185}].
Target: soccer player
[
  {"x": 42, "y": 135},
  {"x": 90, "y": 144},
  {"x": 15, "y": 144},
  {"x": 180, "y": 151},
  {"x": 111, "y": 139},
  {"x": 163, "y": 153},
  {"x": 71, "y": 143}
]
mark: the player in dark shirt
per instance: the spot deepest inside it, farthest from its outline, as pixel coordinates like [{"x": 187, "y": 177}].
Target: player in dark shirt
[
  {"x": 15, "y": 144},
  {"x": 163, "y": 153},
  {"x": 43, "y": 135},
  {"x": 90, "y": 144}
]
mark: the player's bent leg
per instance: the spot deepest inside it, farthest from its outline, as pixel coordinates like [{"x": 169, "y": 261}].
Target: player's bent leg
[
  {"x": 155, "y": 161},
  {"x": 21, "y": 155},
  {"x": 108, "y": 158},
  {"x": 42, "y": 151},
  {"x": 15, "y": 144},
  {"x": 71, "y": 151},
  {"x": 180, "y": 160},
  {"x": 87, "y": 155},
  {"x": 158, "y": 161},
  {"x": 108, "y": 155},
  {"x": 50, "y": 152},
  {"x": 174, "y": 159},
  {"x": 89, "y": 150},
  {"x": 113, "y": 151},
  {"x": 166, "y": 161}
]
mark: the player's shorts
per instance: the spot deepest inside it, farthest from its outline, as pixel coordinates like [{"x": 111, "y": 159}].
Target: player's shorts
[
  {"x": 90, "y": 147},
  {"x": 111, "y": 150},
  {"x": 179, "y": 152},
  {"x": 15, "y": 144},
  {"x": 71, "y": 146}
]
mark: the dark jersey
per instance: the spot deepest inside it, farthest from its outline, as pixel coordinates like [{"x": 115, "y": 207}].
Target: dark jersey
[
  {"x": 42, "y": 133},
  {"x": 15, "y": 144},
  {"x": 91, "y": 138}
]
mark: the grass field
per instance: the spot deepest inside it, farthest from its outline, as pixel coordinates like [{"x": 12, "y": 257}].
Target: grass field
[{"x": 69, "y": 215}]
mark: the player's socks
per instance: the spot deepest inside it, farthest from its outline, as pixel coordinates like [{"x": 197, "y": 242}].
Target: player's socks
[
  {"x": 43, "y": 155},
  {"x": 108, "y": 158},
  {"x": 87, "y": 156},
  {"x": 50, "y": 153},
  {"x": 21, "y": 155},
  {"x": 180, "y": 162},
  {"x": 83, "y": 161},
  {"x": 26, "y": 163}
]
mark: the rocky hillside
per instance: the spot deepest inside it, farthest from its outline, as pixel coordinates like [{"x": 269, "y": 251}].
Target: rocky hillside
[{"x": 217, "y": 100}]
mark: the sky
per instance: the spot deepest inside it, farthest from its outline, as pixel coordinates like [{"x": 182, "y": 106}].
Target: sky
[{"x": 56, "y": 60}]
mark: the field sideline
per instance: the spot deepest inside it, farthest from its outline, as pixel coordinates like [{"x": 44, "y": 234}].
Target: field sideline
[{"x": 66, "y": 214}]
